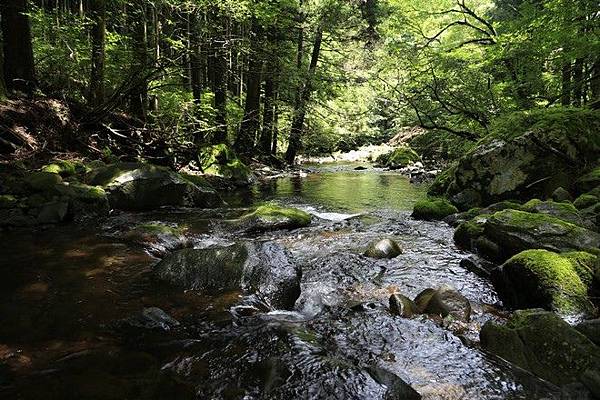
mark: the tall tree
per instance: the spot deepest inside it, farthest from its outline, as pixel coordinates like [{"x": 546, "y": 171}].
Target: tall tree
[
  {"x": 305, "y": 94},
  {"x": 98, "y": 35},
  {"x": 19, "y": 72}
]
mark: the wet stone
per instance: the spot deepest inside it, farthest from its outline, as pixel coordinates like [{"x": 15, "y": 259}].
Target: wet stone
[
  {"x": 402, "y": 305},
  {"x": 384, "y": 248}
]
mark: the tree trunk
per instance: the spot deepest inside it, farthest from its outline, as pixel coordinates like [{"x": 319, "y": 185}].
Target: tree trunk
[
  {"x": 305, "y": 93},
  {"x": 3, "y": 91},
  {"x": 266, "y": 137},
  {"x": 244, "y": 143},
  {"x": 19, "y": 72},
  {"x": 275, "y": 128},
  {"x": 98, "y": 34},
  {"x": 566, "y": 84},
  {"x": 139, "y": 93},
  {"x": 595, "y": 81},
  {"x": 578, "y": 82},
  {"x": 217, "y": 75}
]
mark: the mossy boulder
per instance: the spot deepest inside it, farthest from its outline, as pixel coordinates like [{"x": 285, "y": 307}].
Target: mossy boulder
[
  {"x": 528, "y": 155},
  {"x": 269, "y": 217},
  {"x": 468, "y": 232},
  {"x": 444, "y": 301},
  {"x": 265, "y": 268},
  {"x": 564, "y": 210},
  {"x": 136, "y": 186},
  {"x": 158, "y": 238},
  {"x": 544, "y": 279},
  {"x": 40, "y": 181},
  {"x": 585, "y": 201},
  {"x": 562, "y": 195},
  {"x": 65, "y": 168},
  {"x": 515, "y": 231},
  {"x": 398, "y": 158},
  {"x": 85, "y": 201},
  {"x": 384, "y": 248},
  {"x": 220, "y": 160},
  {"x": 541, "y": 342},
  {"x": 433, "y": 209}
]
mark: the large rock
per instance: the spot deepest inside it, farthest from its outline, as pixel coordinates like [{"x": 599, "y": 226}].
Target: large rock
[
  {"x": 508, "y": 232},
  {"x": 159, "y": 239},
  {"x": 135, "y": 186},
  {"x": 531, "y": 156},
  {"x": 589, "y": 181},
  {"x": 262, "y": 268},
  {"x": 544, "y": 344},
  {"x": 544, "y": 279},
  {"x": 270, "y": 217}
]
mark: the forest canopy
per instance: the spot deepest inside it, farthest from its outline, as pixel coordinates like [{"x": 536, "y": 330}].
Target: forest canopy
[{"x": 314, "y": 76}]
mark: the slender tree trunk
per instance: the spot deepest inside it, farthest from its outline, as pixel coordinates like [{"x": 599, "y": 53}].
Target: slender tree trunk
[
  {"x": 98, "y": 34},
  {"x": 300, "y": 112},
  {"x": 244, "y": 143},
  {"x": 3, "y": 91},
  {"x": 595, "y": 81},
  {"x": 275, "y": 126},
  {"x": 217, "y": 75},
  {"x": 139, "y": 94},
  {"x": 266, "y": 137},
  {"x": 578, "y": 82},
  {"x": 157, "y": 29},
  {"x": 566, "y": 84},
  {"x": 195, "y": 61},
  {"x": 19, "y": 72}
]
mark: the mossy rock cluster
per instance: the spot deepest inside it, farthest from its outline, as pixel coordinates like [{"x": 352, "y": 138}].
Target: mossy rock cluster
[
  {"x": 527, "y": 155},
  {"x": 139, "y": 187},
  {"x": 541, "y": 342},
  {"x": 398, "y": 158},
  {"x": 433, "y": 209},
  {"x": 269, "y": 217},
  {"x": 41, "y": 197},
  {"x": 512, "y": 231},
  {"x": 220, "y": 160},
  {"x": 545, "y": 279}
]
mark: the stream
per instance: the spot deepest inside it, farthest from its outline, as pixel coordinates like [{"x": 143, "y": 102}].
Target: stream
[{"x": 65, "y": 293}]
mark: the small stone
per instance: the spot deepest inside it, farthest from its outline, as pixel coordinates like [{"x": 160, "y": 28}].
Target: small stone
[
  {"x": 384, "y": 248},
  {"x": 447, "y": 301},
  {"x": 402, "y": 305}
]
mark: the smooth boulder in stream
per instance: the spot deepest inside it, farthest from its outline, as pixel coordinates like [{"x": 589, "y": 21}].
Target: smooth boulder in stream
[
  {"x": 384, "y": 248},
  {"x": 264, "y": 268}
]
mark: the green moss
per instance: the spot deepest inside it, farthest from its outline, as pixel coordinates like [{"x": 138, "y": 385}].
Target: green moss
[
  {"x": 562, "y": 210},
  {"x": 529, "y": 221},
  {"x": 551, "y": 277},
  {"x": 433, "y": 209},
  {"x": 197, "y": 180},
  {"x": 584, "y": 265},
  {"x": 398, "y": 158},
  {"x": 42, "y": 181},
  {"x": 65, "y": 168},
  {"x": 467, "y": 232},
  {"x": 586, "y": 200},
  {"x": 220, "y": 160},
  {"x": 589, "y": 181},
  {"x": 274, "y": 212},
  {"x": 81, "y": 191}
]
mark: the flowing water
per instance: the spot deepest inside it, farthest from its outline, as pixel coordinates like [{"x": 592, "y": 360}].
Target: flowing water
[{"x": 65, "y": 292}]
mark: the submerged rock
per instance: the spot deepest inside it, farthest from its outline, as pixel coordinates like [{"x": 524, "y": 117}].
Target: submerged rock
[
  {"x": 544, "y": 344},
  {"x": 271, "y": 217},
  {"x": 384, "y": 248},
  {"x": 137, "y": 187},
  {"x": 262, "y": 268},
  {"x": 544, "y": 279},
  {"x": 433, "y": 209},
  {"x": 152, "y": 318}
]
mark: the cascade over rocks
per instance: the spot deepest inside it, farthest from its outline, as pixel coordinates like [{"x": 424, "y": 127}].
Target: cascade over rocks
[{"x": 263, "y": 268}]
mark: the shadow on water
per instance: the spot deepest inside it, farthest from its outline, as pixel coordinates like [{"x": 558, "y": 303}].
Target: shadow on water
[{"x": 65, "y": 292}]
